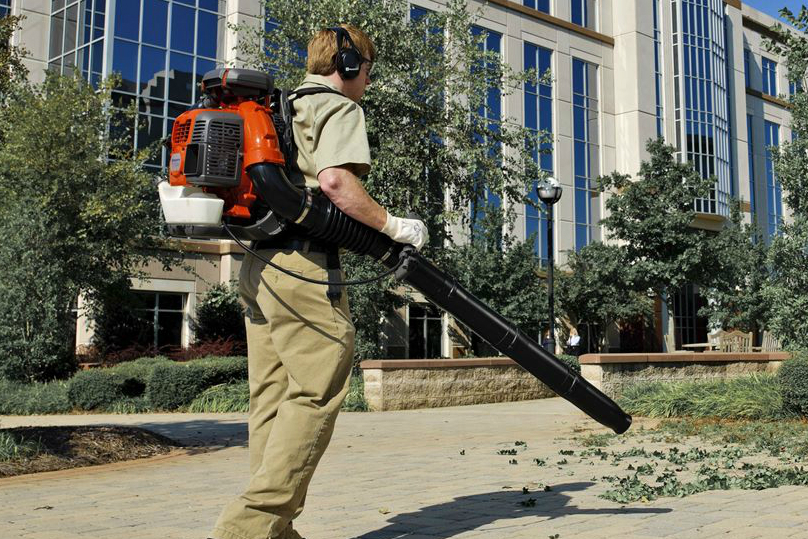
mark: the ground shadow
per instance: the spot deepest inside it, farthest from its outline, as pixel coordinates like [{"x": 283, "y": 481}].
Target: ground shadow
[
  {"x": 466, "y": 513},
  {"x": 205, "y": 434}
]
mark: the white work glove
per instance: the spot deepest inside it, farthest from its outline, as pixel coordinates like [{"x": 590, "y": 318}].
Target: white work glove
[{"x": 411, "y": 231}]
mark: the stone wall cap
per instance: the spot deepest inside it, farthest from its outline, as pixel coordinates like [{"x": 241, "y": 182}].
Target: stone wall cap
[
  {"x": 385, "y": 364},
  {"x": 679, "y": 357}
]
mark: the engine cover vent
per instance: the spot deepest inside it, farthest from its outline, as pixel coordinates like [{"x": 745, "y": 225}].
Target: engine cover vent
[{"x": 213, "y": 157}]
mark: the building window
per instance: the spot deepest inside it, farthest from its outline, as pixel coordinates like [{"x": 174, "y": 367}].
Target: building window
[
  {"x": 747, "y": 67},
  {"x": 538, "y": 118},
  {"x": 689, "y": 327},
  {"x": 539, "y": 5},
  {"x": 489, "y": 113},
  {"x": 586, "y": 149},
  {"x": 701, "y": 97},
  {"x": 162, "y": 49},
  {"x": 5, "y": 8},
  {"x": 77, "y": 38},
  {"x": 584, "y": 14},
  {"x": 769, "y": 77},
  {"x": 164, "y": 317},
  {"x": 660, "y": 111},
  {"x": 750, "y": 145},
  {"x": 774, "y": 198},
  {"x": 425, "y": 331}
]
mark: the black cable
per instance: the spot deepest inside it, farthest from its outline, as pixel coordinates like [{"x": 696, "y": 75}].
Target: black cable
[{"x": 315, "y": 281}]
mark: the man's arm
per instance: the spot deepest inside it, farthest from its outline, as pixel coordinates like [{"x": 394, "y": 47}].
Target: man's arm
[{"x": 345, "y": 190}]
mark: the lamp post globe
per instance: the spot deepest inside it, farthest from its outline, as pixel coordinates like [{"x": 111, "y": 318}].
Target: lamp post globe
[{"x": 549, "y": 192}]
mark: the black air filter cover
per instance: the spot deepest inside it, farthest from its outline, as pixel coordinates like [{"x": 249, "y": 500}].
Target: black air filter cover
[{"x": 238, "y": 82}]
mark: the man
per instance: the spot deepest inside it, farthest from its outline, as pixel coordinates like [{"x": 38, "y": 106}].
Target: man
[{"x": 300, "y": 342}]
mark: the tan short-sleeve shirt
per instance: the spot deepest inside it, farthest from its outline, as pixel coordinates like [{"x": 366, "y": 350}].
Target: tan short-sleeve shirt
[{"x": 329, "y": 131}]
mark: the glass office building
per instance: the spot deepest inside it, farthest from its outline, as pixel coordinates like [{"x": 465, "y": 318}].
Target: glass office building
[{"x": 160, "y": 48}]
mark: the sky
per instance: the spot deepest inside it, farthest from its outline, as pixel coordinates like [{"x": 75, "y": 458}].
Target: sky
[{"x": 771, "y": 7}]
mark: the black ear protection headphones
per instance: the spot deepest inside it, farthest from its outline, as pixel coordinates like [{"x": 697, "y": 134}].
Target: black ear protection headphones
[{"x": 348, "y": 60}]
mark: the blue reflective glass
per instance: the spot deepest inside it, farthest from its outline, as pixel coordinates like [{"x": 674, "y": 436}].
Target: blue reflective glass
[
  {"x": 127, "y": 19},
  {"x": 581, "y": 236},
  {"x": 417, "y": 13},
  {"x": 155, "y": 17},
  {"x": 212, "y": 5},
  {"x": 207, "y": 35},
  {"x": 181, "y": 81},
  {"x": 540, "y": 5},
  {"x": 152, "y": 71},
  {"x": 124, "y": 61},
  {"x": 578, "y": 12},
  {"x": 98, "y": 56},
  {"x": 182, "y": 28},
  {"x": 202, "y": 67}
]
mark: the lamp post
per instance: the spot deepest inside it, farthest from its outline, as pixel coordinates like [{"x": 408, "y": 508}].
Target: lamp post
[{"x": 549, "y": 192}]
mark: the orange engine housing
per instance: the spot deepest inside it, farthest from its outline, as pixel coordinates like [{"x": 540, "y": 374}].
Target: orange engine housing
[{"x": 213, "y": 148}]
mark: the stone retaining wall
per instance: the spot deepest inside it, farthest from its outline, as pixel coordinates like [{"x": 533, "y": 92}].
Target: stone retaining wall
[
  {"x": 612, "y": 372},
  {"x": 393, "y": 384}
]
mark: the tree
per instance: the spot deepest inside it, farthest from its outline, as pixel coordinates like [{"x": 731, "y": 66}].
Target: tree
[
  {"x": 653, "y": 216},
  {"x": 78, "y": 214},
  {"x": 599, "y": 289},
  {"x": 786, "y": 289},
  {"x": 220, "y": 315},
  {"x": 502, "y": 271},
  {"x": 735, "y": 295},
  {"x": 12, "y": 70}
]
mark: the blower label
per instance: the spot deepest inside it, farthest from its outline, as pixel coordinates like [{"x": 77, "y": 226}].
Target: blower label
[{"x": 175, "y": 162}]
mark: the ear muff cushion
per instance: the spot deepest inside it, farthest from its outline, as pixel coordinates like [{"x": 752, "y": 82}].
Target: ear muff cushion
[{"x": 348, "y": 60}]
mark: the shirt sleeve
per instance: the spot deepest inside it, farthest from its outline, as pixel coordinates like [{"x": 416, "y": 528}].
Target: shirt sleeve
[{"x": 341, "y": 138}]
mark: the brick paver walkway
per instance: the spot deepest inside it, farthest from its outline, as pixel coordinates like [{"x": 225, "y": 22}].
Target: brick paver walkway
[{"x": 425, "y": 474}]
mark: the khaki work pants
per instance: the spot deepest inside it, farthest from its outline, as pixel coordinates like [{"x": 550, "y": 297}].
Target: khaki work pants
[{"x": 300, "y": 348}]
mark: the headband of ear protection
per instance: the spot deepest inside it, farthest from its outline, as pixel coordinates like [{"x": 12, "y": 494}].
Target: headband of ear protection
[{"x": 348, "y": 60}]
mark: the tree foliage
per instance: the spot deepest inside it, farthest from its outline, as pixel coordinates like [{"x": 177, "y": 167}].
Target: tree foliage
[
  {"x": 220, "y": 315},
  {"x": 786, "y": 289},
  {"x": 72, "y": 220},
  {"x": 12, "y": 69},
  {"x": 735, "y": 296},
  {"x": 599, "y": 288},
  {"x": 652, "y": 218},
  {"x": 501, "y": 271}
]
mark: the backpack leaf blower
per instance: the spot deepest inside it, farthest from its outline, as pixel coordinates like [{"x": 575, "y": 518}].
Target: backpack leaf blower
[{"x": 228, "y": 176}]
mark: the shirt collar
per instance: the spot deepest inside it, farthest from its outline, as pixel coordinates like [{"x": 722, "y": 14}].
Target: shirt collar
[{"x": 318, "y": 80}]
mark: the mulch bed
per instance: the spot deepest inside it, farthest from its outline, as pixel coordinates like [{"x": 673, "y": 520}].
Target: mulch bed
[{"x": 73, "y": 447}]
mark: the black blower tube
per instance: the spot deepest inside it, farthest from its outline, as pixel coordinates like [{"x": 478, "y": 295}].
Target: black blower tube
[{"x": 324, "y": 221}]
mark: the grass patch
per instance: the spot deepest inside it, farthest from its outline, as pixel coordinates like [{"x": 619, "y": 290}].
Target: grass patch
[
  {"x": 17, "y": 448},
  {"x": 750, "y": 397},
  {"x": 355, "y": 400},
  {"x": 33, "y": 399},
  {"x": 223, "y": 398}
]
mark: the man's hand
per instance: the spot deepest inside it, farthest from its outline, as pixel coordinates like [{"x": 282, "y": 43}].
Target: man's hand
[{"x": 411, "y": 231}]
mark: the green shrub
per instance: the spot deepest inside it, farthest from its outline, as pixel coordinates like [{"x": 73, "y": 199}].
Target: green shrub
[
  {"x": 175, "y": 385},
  {"x": 571, "y": 362},
  {"x": 793, "y": 380},
  {"x": 355, "y": 400},
  {"x": 220, "y": 315},
  {"x": 94, "y": 389},
  {"x": 749, "y": 397},
  {"x": 223, "y": 398},
  {"x": 34, "y": 398}
]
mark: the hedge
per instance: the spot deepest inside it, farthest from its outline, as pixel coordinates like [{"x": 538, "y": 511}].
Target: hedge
[
  {"x": 175, "y": 385},
  {"x": 793, "y": 379}
]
